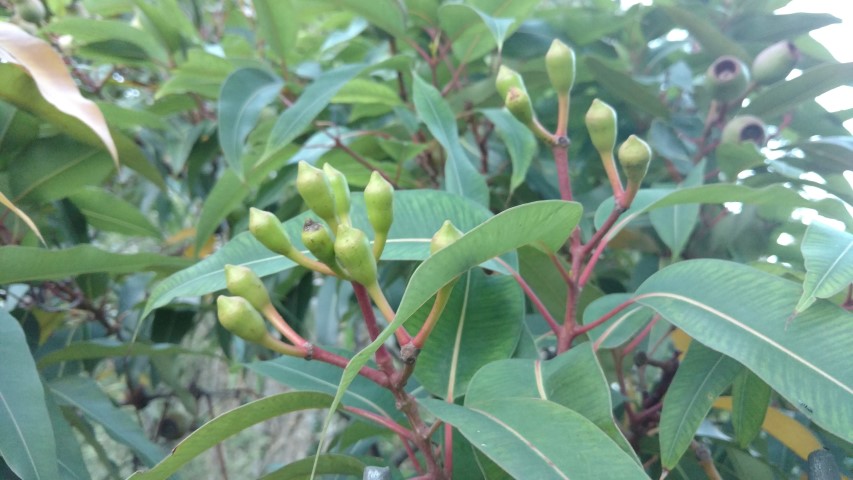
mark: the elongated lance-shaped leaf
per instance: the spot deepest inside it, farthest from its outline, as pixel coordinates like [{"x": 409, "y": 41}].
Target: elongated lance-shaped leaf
[
  {"x": 742, "y": 312},
  {"x": 545, "y": 223},
  {"x": 675, "y": 224},
  {"x": 230, "y": 423},
  {"x": 750, "y": 398},
  {"x": 459, "y": 174},
  {"x": 828, "y": 255},
  {"x": 783, "y": 96},
  {"x": 700, "y": 379},
  {"x": 244, "y": 94},
  {"x": 27, "y": 443},
  {"x": 519, "y": 140}
]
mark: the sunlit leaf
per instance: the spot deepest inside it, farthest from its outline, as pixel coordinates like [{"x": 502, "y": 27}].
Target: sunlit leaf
[{"x": 828, "y": 255}]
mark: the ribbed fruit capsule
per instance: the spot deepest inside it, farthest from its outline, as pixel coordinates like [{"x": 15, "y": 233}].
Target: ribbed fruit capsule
[
  {"x": 560, "y": 63},
  {"x": 744, "y": 128},
  {"x": 444, "y": 236},
  {"x": 354, "y": 255},
  {"x": 601, "y": 124},
  {"x": 379, "y": 203},
  {"x": 315, "y": 189},
  {"x": 634, "y": 157},
  {"x": 727, "y": 78},
  {"x": 319, "y": 242},
  {"x": 775, "y": 62},
  {"x": 340, "y": 189},
  {"x": 238, "y": 316},
  {"x": 243, "y": 282},
  {"x": 266, "y": 228}
]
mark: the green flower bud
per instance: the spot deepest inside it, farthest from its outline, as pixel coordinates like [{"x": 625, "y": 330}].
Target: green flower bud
[
  {"x": 238, "y": 316},
  {"x": 318, "y": 240},
  {"x": 340, "y": 189},
  {"x": 775, "y": 62},
  {"x": 32, "y": 11},
  {"x": 727, "y": 78},
  {"x": 506, "y": 79},
  {"x": 315, "y": 189},
  {"x": 379, "y": 202},
  {"x": 243, "y": 282},
  {"x": 634, "y": 156},
  {"x": 447, "y": 234},
  {"x": 268, "y": 230},
  {"x": 744, "y": 128},
  {"x": 354, "y": 255},
  {"x": 601, "y": 124},
  {"x": 560, "y": 63},
  {"x": 519, "y": 105}
]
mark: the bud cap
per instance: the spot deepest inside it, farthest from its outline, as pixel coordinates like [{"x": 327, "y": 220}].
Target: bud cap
[
  {"x": 319, "y": 242},
  {"x": 243, "y": 282},
  {"x": 268, "y": 230},
  {"x": 601, "y": 124},
  {"x": 447, "y": 234},
  {"x": 354, "y": 255},
  {"x": 315, "y": 189},
  {"x": 560, "y": 63},
  {"x": 379, "y": 202},
  {"x": 340, "y": 189},
  {"x": 506, "y": 79},
  {"x": 634, "y": 156},
  {"x": 238, "y": 316}
]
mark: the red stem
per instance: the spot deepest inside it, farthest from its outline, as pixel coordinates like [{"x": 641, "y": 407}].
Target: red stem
[
  {"x": 561, "y": 159},
  {"x": 581, "y": 329},
  {"x": 377, "y": 377},
  {"x": 383, "y": 421},
  {"x": 383, "y": 357},
  {"x": 601, "y": 232},
  {"x": 448, "y": 449},
  {"x": 563, "y": 273},
  {"x": 532, "y": 296},
  {"x": 639, "y": 338}
]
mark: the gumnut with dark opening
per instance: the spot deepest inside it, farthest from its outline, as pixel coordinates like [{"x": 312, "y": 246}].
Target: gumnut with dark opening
[
  {"x": 518, "y": 103},
  {"x": 316, "y": 190},
  {"x": 634, "y": 157},
  {"x": 601, "y": 124},
  {"x": 243, "y": 282},
  {"x": 447, "y": 234},
  {"x": 354, "y": 255},
  {"x": 318, "y": 240},
  {"x": 744, "y": 128},
  {"x": 340, "y": 189},
  {"x": 508, "y": 78},
  {"x": 560, "y": 63},
  {"x": 379, "y": 203},
  {"x": 268, "y": 230},
  {"x": 238, "y": 316},
  {"x": 775, "y": 62},
  {"x": 727, "y": 78}
]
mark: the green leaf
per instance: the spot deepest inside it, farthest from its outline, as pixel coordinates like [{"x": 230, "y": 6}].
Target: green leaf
[
  {"x": 87, "y": 31},
  {"x": 108, "y": 212},
  {"x": 623, "y": 86},
  {"x": 701, "y": 377},
  {"x": 24, "y": 264},
  {"x": 675, "y": 224},
  {"x": 169, "y": 22},
  {"x": 706, "y": 33},
  {"x": 55, "y": 168},
  {"x": 457, "y": 19},
  {"x": 768, "y": 28},
  {"x": 27, "y": 443},
  {"x": 828, "y": 256},
  {"x": 230, "y": 423},
  {"x": 618, "y": 330},
  {"x": 475, "y": 28},
  {"x": 85, "y": 395},
  {"x": 278, "y": 22},
  {"x": 734, "y": 158},
  {"x": 385, "y": 14},
  {"x": 784, "y": 96},
  {"x": 518, "y": 434},
  {"x": 69, "y": 457},
  {"x": 202, "y": 73},
  {"x": 299, "y": 116},
  {"x": 104, "y": 348},
  {"x": 327, "y": 464},
  {"x": 459, "y": 174},
  {"x": 750, "y": 398},
  {"x": 542, "y": 276},
  {"x": 545, "y": 223},
  {"x": 244, "y": 94},
  {"x": 742, "y": 313},
  {"x": 418, "y": 215},
  {"x": 519, "y": 140},
  {"x": 227, "y": 195},
  {"x": 314, "y": 376},
  {"x": 361, "y": 90},
  {"x": 480, "y": 324}
]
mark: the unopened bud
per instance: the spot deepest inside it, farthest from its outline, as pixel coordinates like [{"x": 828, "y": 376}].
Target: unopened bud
[
  {"x": 506, "y": 79},
  {"x": 315, "y": 189},
  {"x": 238, "y": 316},
  {"x": 727, "y": 78},
  {"x": 634, "y": 156},
  {"x": 354, "y": 255},
  {"x": 560, "y": 63},
  {"x": 340, "y": 189},
  {"x": 744, "y": 128},
  {"x": 268, "y": 230},
  {"x": 319, "y": 242},
  {"x": 519, "y": 105},
  {"x": 379, "y": 203},
  {"x": 243, "y": 282},
  {"x": 444, "y": 236},
  {"x": 775, "y": 62},
  {"x": 601, "y": 124}
]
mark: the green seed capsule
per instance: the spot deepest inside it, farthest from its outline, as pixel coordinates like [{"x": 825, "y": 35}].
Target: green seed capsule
[
  {"x": 340, "y": 189},
  {"x": 506, "y": 79},
  {"x": 32, "y": 11},
  {"x": 318, "y": 240},
  {"x": 519, "y": 105},
  {"x": 744, "y": 128},
  {"x": 238, "y": 316},
  {"x": 727, "y": 78},
  {"x": 243, "y": 282},
  {"x": 315, "y": 189},
  {"x": 379, "y": 203},
  {"x": 447, "y": 234},
  {"x": 268, "y": 230},
  {"x": 354, "y": 255},
  {"x": 775, "y": 62},
  {"x": 601, "y": 124},
  {"x": 634, "y": 156},
  {"x": 560, "y": 63}
]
